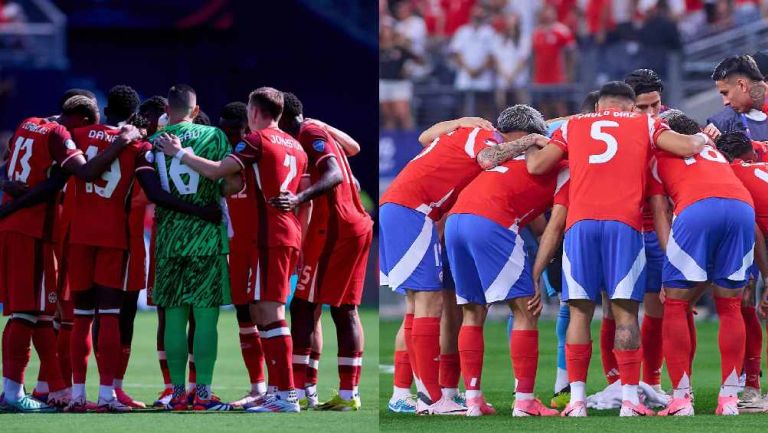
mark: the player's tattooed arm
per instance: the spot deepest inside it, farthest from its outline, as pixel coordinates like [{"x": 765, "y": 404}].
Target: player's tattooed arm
[
  {"x": 492, "y": 156},
  {"x": 96, "y": 166},
  {"x": 548, "y": 245},
  {"x": 330, "y": 177},
  {"x": 350, "y": 145},
  {"x": 683, "y": 145},
  {"x": 150, "y": 183},
  {"x": 442, "y": 128},
  {"x": 662, "y": 218},
  {"x": 42, "y": 192}
]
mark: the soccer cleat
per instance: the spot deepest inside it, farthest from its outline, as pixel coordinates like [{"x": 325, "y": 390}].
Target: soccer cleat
[
  {"x": 338, "y": 404},
  {"x": 77, "y": 405},
  {"x": 440, "y": 407},
  {"x": 751, "y": 401},
  {"x": 27, "y": 404},
  {"x": 42, "y": 397},
  {"x": 3, "y": 406},
  {"x": 631, "y": 409},
  {"x": 179, "y": 403},
  {"x": 609, "y": 398},
  {"x": 310, "y": 401},
  {"x": 460, "y": 399},
  {"x": 212, "y": 404},
  {"x": 653, "y": 397},
  {"x": 251, "y": 399},
  {"x": 727, "y": 406},
  {"x": 274, "y": 403},
  {"x": 164, "y": 398},
  {"x": 576, "y": 409},
  {"x": 678, "y": 407},
  {"x": 112, "y": 405},
  {"x": 127, "y": 400},
  {"x": 561, "y": 398},
  {"x": 402, "y": 405},
  {"x": 478, "y": 407},
  {"x": 59, "y": 399},
  {"x": 532, "y": 408}
]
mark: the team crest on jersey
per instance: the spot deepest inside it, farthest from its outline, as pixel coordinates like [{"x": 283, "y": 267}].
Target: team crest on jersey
[
  {"x": 70, "y": 144},
  {"x": 240, "y": 146},
  {"x": 149, "y": 156},
  {"x": 318, "y": 145},
  {"x": 52, "y": 298}
]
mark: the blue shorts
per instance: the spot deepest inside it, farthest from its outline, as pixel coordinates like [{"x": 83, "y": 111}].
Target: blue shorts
[
  {"x": 605, "y": 255},
  {"x": 654, "y": 262},
  {"x": 711, "y": 240},
  {"x": 448, "y": 282},
  {"x": 488, "y": 261},
  {"x": 409, "y": 250}
]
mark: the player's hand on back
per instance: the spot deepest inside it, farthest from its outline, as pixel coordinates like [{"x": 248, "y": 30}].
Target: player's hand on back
[
  {"x": 127, "y": 135},
  {"x": 286, "y": 201},
  {"x": 13, "y": 188},
  {"x": 474, "y": 122},
  {"x": 168, "y": 144},
  {"x": 711, "y": 131}
]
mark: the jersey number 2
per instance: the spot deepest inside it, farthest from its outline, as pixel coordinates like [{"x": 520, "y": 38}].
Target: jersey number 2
[
  {"x": 112, "y": 176},
  {"x": 290, "y": 162},
  {"x": 24, "y": 144},
  {"x": 612, "y": 146}
]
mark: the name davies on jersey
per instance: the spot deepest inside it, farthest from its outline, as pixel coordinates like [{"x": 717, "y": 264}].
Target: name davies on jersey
[
  {"x": 101, "y": 135},
  {"x": 287, "y": 142}
]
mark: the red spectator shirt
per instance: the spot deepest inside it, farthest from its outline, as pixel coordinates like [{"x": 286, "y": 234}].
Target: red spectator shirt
[
  {"x": 608, "y": 154},
  {"x": 548, "y": 46},
  {"x": 509, "y": 196},
  {"x": 278, "y": 163},
  {"x": 35, "y": 147},
  {"x": 432, "y": 181}
]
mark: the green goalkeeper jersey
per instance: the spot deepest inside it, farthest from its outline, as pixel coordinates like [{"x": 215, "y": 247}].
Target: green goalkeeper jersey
[{"x": 179, "y": 234}]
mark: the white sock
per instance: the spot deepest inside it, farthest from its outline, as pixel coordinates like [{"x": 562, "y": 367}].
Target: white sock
[
  {"x": 168, "y": 386},
  {"x": 41, "y": 387},
  {"x": 400, "y": 393},
  {"x": 14, "y": 391},
  {"x": 348, "y": 394},
  {"x": 78, "y": 391},
  {"x": 259, "y": 388},
  {"x": 629, "y": 393},
  {"x": 310, "y": 390},
  {"x": 729, "y": 391},
  {"x": 106, "y": 392},
  {"x": 522, "y": 396},
  {"x": 449, "y": 393},
  {"x": 473, "y": 393},
  {"x": 561, "y": 379},
  {"x": 300, "y": 393},
  {"x": 117, "y": 383},
  {"x": 203, "y": 391},
  {"x": 284, "y": 395},
  {"x": 578, "y": 392}
]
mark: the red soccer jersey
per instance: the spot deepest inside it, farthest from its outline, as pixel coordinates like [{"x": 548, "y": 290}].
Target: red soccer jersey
[
  {"x": 608, "y": 154},
  {"x": 754, "y": 176},
  {"x": 243, "y": 213},
  {"x": 706, "y": 175},
  {"x": 101, "y": 207},
  {"x": 509, "y": 195},
  {"x": 278, "y": 163},
  {"x": 432, "y": 181},
  {"x": 652, "y": 187},
  {"x": 548, "y": 46},
  {"x": 36, "y": 146},
  {"x": 344, "y": 210}
]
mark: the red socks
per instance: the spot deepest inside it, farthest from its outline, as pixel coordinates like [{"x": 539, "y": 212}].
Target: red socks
[
  {"x": 44, "y": 340},
  {"x": 731, "y": 336},
  {"x": 692, "y": 336},
  {"x": 450, "y": 370},
  {"x": 629, "y": 365},
  {"x": 80, "y": 346},
  {"x": 250, "y": 346},
  {"x": 677, "y": 344},
  {"x": 653, "y": 356},
  {"x": 403, "y": 371},
  {"x": 17, "y": 338},
  {"x": 607, "y": 338},
  {"x": 754, "y": 346},
  {"x": 426, "y": 344},
  {"x": 471, "y": 348},
  {"x": 109, "y": 346},
  {"x": 314, "y": 363},
  {"x": 349, "y": 367},
  {"x": 524, "y": 351},
  {"x": 278, "y": 348},
  {"x": 577, "y": 357}
]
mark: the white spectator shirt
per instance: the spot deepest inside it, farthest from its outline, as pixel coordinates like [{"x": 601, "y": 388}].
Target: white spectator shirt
[
  {"x": 415, "y": 30},
  {"x": 507, "y": 55},
  {"x": 475, "y": 45}
]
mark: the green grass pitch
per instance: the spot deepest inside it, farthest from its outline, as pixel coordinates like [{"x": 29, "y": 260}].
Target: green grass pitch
[
  {"x": 143, "y": 381},
  {"x": 498, "y": 385}
]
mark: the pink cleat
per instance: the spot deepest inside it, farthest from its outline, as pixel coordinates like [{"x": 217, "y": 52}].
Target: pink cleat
[
  {"x": 678, "y": 407},
  {"x": 576, "y": 409},
  {"x": 630, "y": 409},
  {"x": 127, "y": 400},
  {"x": 478, "y": 407},
  {"x": 727, "y": 406},
  {"x": 532, "y": 408}
]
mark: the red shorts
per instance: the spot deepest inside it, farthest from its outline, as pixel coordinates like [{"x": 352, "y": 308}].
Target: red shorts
[
  {"x": 334, "y": 269},
  {"x": 27, "y": 275},
  {"x": 91, "y": 265},
  {"x": 271, "y": 276},
  {"x": 241, "y": 272},
  {"x": 137, "y": 265}
]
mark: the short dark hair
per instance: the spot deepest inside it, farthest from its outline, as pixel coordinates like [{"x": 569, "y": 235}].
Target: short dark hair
[
  {"x": 154, "y": 103},
  {"x": 75, "y": 92},
  {"x": 737, "y": 65},
  {"x": 267, "y": 99},
  {"x": 617, "y": 89},
  {"x": 734, "y": 143},
  {"x": 182, "y": 97},
  {"x": 122, "y": 102},
  {"x": 680, "y": 123},
  {"x": 292, "y": 106},
  {"x": 644, "y": 81},
  {"x": 202, "y": 119},
  {"x": 235, "y": 112},
  {"x": 80, "y": 105},
  {"x": 588, "y": 104}
]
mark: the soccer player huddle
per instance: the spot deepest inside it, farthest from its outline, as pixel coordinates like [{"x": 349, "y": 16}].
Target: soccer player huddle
[
  {"x": 239, "y": 209},
  {"x": 627, "y": 202}
]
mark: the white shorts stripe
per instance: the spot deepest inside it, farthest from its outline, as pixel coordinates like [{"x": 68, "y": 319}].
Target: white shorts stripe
[
  {"x": 277, "y": 332},
  {"x": 110, "y": 311},
  {"x": 627, "y": 284},
  {"x": 301, "y": 359},
  {"x": 313, "y": 285},
  {"x": 84, "y": 312},
  {"x": 411, "y": 259},
  {"x": 28, "y": 317},
  {"x": 746, "y": 262},
  {"x": 509, "y": 274},
  {"x": 353, "y": 362},
  {"x": 383, "y": 279},
  {"x": 684, "y": 262},
  {"x": 248, "y": 330},
  {"x": 575, "y": 290},
  {"x": 313, "y": 363},
  {"x": 257, "y": 283}
]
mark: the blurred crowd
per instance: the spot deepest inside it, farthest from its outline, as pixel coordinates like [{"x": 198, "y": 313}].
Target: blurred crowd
[{"x": 497, "y": 52}]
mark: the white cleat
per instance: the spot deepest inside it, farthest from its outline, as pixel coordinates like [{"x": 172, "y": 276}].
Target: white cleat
[
  {"x": 751, "y": 401},
  {"x": 440, "y": 407},
  {"x": 577, "y": 409}
]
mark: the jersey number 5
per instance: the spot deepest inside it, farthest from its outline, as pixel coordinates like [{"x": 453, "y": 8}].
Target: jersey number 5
[
  {"x": 111, "y": 176},
  {"x": 612, "y": 146},
  {"x": 22, "y": 144}
]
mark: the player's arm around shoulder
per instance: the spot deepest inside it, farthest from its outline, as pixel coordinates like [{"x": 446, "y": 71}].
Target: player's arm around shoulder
[
  {"x": 442, "y": 128},
  {"x": 170, "y": 145}
]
